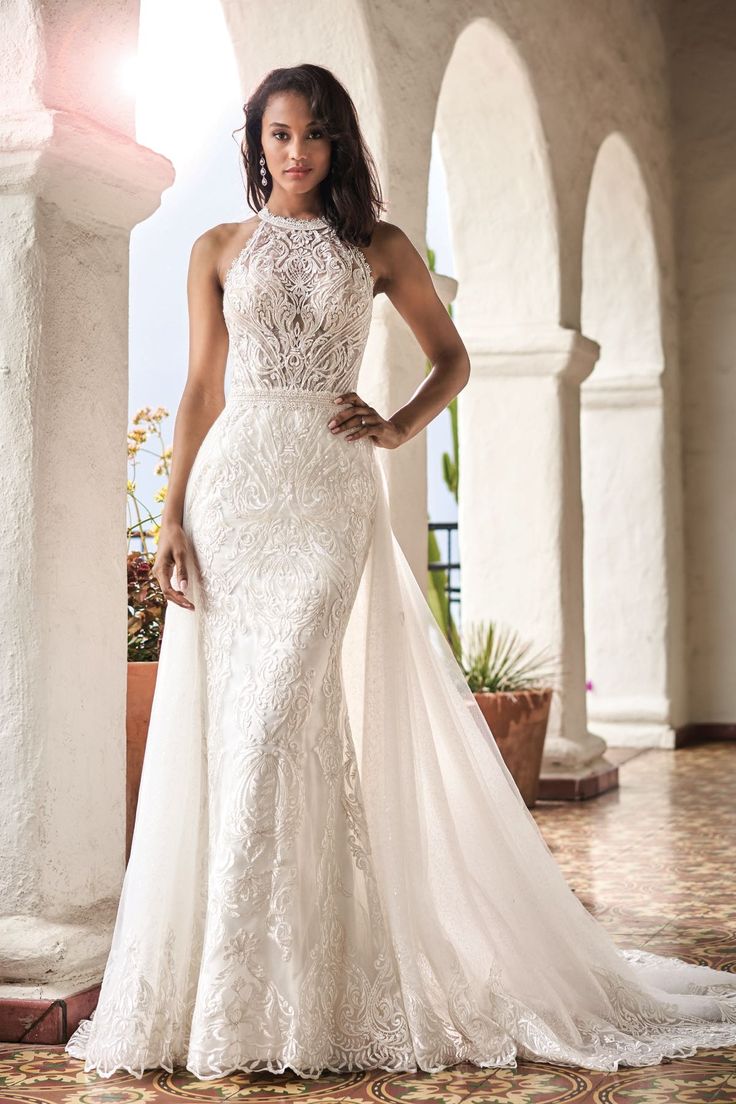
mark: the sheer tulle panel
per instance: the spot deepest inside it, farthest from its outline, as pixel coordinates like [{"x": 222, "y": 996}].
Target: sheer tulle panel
[{"x": 489, "y": 935}]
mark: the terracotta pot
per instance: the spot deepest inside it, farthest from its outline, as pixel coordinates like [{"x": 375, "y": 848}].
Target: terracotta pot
[
  {"x": 518, "y": 722},
  {"x": 141, "y": 684}
]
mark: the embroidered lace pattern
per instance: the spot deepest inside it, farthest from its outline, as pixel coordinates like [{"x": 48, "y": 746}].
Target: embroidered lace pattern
[{"x": 298, "y": 303}]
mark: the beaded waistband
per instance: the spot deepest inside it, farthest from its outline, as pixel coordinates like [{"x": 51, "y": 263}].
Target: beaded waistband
[{"x": 281, "y": 395}]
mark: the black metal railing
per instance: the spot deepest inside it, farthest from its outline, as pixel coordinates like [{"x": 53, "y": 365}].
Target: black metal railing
[{"x": 449, "y": 565}]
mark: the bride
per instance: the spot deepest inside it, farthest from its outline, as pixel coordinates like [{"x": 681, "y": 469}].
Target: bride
[{"x": 332, "y": 868}]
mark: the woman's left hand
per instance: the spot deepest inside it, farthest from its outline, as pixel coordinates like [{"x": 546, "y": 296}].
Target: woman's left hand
[{"x": 360, "y": 420}]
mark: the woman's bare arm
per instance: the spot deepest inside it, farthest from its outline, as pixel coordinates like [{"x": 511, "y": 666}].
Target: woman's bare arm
[
  {"x": 407, "y": 282},
  {"x": 202, "y": 400},
  {"x": 409, "y": 287},
  {"x": 203, "y": 396}
]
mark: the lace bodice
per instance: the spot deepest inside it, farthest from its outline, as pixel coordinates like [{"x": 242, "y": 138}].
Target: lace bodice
[{"x": 297, "y": 303}]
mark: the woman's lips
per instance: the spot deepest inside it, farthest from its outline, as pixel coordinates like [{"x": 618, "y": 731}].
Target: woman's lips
[{"x": 297, "y": 172}]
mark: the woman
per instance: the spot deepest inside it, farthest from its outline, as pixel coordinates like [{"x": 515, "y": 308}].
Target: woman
[{"x": 331, "y": 866}]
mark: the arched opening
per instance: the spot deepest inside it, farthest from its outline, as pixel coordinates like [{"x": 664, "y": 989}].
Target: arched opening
[
  {"x": 502, "y": 208},
  {"x": 503, "y": 231},
  {"x": 622, "y": 439}
]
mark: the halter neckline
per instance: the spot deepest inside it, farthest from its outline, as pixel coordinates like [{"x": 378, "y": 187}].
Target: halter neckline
[{"x": 315, "y": 223}]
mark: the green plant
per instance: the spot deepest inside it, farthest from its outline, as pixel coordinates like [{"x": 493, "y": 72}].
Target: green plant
[{"x": 495, "y": 659}]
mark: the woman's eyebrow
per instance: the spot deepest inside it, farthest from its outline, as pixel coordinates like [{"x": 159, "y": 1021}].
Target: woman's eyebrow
[{"x": 310, "y": 123}]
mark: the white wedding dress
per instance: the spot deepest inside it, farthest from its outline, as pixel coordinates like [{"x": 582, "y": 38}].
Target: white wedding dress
[{"x": 332, "y": 868}]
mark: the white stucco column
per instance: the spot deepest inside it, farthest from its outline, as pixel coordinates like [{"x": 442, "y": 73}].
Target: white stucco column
[
  {"x": 520, "y": 512},
  {"x": 71, "y": 191},
  {"x": 630, "y": 588}
]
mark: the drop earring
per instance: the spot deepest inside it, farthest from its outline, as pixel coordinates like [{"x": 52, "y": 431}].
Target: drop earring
[{"x": 264, "y": 178}]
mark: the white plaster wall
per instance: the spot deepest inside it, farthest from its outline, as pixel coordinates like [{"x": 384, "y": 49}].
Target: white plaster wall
[{"x": 703, "y": 39}]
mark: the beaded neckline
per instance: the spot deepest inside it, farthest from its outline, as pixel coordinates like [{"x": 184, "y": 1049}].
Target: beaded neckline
[{"x": 289, "y": 222}]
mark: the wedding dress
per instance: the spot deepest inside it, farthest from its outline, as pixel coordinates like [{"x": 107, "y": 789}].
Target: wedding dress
[{"x": 332, "y": 868}]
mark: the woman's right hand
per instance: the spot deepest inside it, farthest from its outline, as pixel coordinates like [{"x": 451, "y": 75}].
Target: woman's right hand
[{"x": 174, "y": 551}]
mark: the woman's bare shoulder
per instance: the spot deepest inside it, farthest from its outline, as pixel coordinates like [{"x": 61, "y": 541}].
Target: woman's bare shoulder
[
  {"x": 220, "y": 245},
  {"x": 388, "y": 237},
  {"x": 389, "y": 246}
]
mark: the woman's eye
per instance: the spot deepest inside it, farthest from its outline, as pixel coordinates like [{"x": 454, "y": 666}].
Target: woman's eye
[{"x": 276, "y": 133}]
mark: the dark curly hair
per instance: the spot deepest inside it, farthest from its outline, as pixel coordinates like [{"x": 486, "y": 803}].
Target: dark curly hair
[{"x": 351, "y": 193}]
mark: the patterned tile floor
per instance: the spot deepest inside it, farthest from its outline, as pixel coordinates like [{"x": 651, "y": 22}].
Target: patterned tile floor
[{"x": 652, "y": 860}]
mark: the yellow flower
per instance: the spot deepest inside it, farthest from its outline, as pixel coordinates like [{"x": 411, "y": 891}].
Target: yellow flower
[
  {"x": 155, "y": 530},
  {"x": 142, "y": 415},
  {"x": 160, "y": 496},
  {"x": 131, "y": 486}
]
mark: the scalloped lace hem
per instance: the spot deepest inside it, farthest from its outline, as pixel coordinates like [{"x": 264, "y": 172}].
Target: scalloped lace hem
[{"x": 627, "y": 1056}]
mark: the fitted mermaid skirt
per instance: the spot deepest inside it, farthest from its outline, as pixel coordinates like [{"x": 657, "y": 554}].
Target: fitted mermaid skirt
[
  {"x": 294, "y": 941},
  {"x": 331, "y": 866}
]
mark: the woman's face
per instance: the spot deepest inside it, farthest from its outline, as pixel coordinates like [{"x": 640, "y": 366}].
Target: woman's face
[{"x": 292, "y": 139}]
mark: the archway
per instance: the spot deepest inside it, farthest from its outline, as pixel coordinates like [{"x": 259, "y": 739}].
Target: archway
[
  {"x": 623, "y": 470},
  {"x": 519, "y": 512}
]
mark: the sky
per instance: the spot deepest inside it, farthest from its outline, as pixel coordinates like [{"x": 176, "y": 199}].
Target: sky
[{"x": 188, "y": 103}]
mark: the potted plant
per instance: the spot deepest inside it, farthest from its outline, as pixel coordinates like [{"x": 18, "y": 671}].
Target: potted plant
[
  {"x": 514, "y": 691},
  {"x": 146, "y": 604}
]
